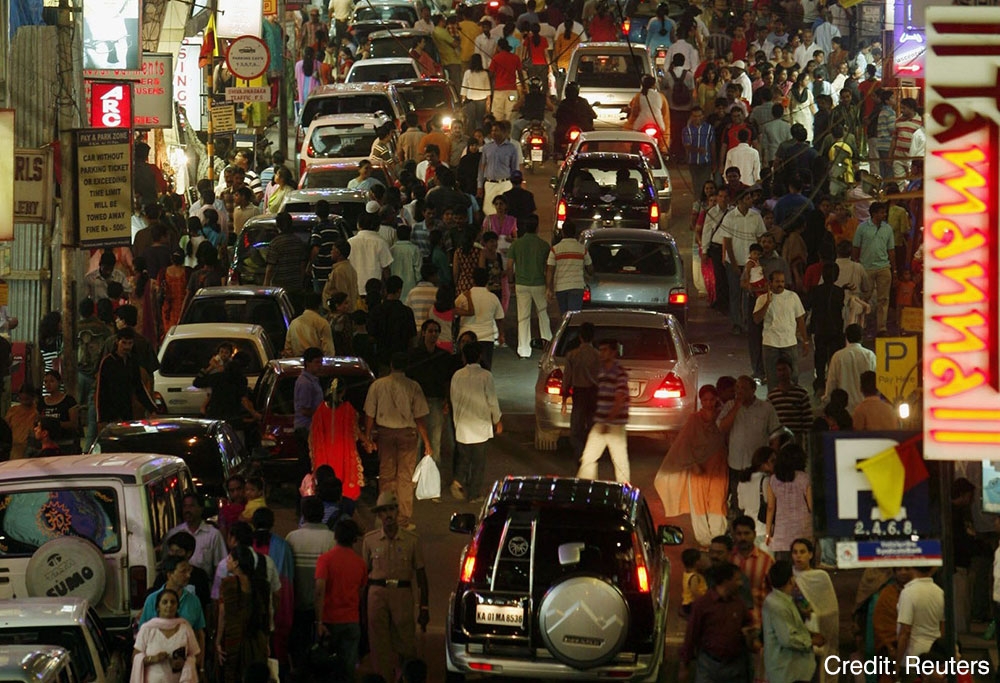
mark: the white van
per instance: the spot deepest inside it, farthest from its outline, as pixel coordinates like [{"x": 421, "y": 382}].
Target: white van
[
  {"x": 35, "y": 664},
  {"x": 89, "y": 526},
  {"x": 609, "y": 76}
]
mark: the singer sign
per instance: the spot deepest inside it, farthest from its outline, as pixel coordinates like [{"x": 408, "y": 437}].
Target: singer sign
[{"x": 961, "y": 222}]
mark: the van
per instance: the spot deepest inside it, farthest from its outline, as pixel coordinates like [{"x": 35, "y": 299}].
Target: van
[
  {"x": 88, "y": 526},
  {"x": 35, "y": 664},
  {"x": 609, "y": 76}
]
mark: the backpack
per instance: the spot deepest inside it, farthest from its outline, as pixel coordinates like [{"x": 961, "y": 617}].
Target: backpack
[
  {"x": 680, "y": 94},
  {"x": 89, "y": 349}
]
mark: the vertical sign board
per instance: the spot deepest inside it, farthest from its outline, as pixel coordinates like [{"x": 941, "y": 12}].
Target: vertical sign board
[
  {"x": 112, "y": 41},
  {"x": 110, "y": 104},
  {"x": 104, "y": 177},
  {"x": 6, "y": 174},
  {"x": 32, "y": 185},
  {"x": 896, "y": 367},
  {"x": 961, "y": 219},
  {"x": 153, "y": 105},
  {"x": 187, "y": 81}
]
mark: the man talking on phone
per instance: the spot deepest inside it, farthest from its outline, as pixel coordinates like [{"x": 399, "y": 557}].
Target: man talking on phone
[{"x": 784, "y": 320}]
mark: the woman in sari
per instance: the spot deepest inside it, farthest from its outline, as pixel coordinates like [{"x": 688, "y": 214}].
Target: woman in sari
[
  {"x": 694, "y": 477},
  {"x": 166, "y": 649},
  {"x": 243, "y": 615},
  {"x": 334, "y": 442},
  {"x": 816, "y": 588},
  {"x": 275, "y": 547}
]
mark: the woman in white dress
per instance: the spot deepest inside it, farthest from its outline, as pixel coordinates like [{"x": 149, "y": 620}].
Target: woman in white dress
[
  {"x": 166, "y": 649},
  {"x": 815, "y": 586},
  {"x": 801, "y": 105}
]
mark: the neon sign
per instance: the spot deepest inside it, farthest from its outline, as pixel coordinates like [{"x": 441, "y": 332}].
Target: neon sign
[{"x": 962, "y": 245}]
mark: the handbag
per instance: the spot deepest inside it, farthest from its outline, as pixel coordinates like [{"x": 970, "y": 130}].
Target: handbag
[
  {"x": 427, "y": 478},
  {"x": 762, "y": 507}
]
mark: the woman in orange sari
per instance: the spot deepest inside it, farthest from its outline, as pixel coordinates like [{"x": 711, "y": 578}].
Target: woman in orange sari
[
  {"x": 694, "y": 477},
  {"x": 333, "y": 442}
]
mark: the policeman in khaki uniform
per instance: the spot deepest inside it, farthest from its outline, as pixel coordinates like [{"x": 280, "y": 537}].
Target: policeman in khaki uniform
[{"x": 394, "y": 557}]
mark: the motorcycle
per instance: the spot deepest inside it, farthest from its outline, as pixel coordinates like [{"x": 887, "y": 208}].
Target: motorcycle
[{"x": 534, "y": 142}]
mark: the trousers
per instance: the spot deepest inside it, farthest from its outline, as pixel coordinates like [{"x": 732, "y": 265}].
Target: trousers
[
  {"x": 397, "y": 458},
  {"x": 569, "y": 300},
  {"x": 882, "y": 280},
  {"x": 470, "y": 465},
  {"x": 526, "y": 295},
  {"x": 439, "y": 430},
  {"x": 392, "y": 630},
  {"x": 615, "y": 441},
  {"x": 582, "y": 418}
]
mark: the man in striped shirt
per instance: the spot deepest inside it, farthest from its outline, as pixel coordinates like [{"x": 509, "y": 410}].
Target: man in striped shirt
[
  {"x": 422, "y": 296},
  {"x": 752, "y": 561},
  {"x": 790, "y": 401},
  {"x": 906, "y": 125},
  {"x": 564, "y": 271},
  {"x": 610, "y": 417}
]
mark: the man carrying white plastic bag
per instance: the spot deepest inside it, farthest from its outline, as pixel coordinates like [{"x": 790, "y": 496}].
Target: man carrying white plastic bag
[
  {"x": 428, "y": 479},
  {"x": 476, "y": 412}
]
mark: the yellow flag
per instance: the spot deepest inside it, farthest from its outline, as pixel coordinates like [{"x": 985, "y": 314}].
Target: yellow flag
[{"x": 887, "y": 476}]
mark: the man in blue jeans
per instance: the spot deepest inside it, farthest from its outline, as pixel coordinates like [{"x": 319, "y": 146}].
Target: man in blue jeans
[{"x": 784, "y": 320}]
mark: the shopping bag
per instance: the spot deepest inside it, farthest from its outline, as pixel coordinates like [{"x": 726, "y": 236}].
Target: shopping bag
[{"x": 427, "y": 478}]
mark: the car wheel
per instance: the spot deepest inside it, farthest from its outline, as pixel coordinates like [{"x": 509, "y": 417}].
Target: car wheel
[
  {"x": 583, "y": 621},
  {"x": 546, "y": 439}
]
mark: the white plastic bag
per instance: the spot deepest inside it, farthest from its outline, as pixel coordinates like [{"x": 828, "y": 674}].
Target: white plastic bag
[{"x": 427, "y": 478}]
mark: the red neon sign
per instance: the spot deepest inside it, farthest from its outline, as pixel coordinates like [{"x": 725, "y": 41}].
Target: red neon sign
[{"x": 110, "y": 105}]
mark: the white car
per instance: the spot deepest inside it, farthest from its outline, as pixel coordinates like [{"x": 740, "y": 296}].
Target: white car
[
  {"x": 188, "y": 348},
  {"x": 609, "y": 76},
  {"x": 632, "y": 142},
  {"x": 382, "y": 70},
  {"x": 345, "y": 137}
]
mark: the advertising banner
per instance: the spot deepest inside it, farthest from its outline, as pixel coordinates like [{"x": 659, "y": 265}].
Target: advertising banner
[
  {"x": 898, "y": 553},
  {"x": 112, "y": 41},
  {"x": 110, "y": 104},
  {"x": 104, "y": 175},
  {"x": 961, "y": 217},
  {"x": 32, "y": 186},
  {"x": 153, "y": 102},
  {"x": 187, "y": 81}
]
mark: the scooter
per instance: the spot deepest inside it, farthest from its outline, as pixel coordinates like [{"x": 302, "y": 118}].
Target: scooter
[{"x": 534, "y": 143}]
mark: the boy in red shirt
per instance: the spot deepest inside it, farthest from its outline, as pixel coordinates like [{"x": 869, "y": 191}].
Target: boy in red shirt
[
  {"x": 340, "y": 576},
  {"x": 506, "y": 69}
]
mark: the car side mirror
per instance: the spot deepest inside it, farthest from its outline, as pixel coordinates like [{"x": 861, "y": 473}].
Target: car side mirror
[
  {"x": 699, "y": 349},
  {"x": 462, "y": 523},
  {"x": 569, "y": 553},
  {"x": 670, "y": 534}
]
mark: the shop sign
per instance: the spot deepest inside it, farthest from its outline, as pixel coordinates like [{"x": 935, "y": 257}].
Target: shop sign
[
  {"x": 895, "y": 553},
  {"x": 248, "y": 57},
  {"x": 112, "y": 40},
  {"x": 110, "y": 104},
  {"x": 187, "y": 81},
  {"x": 7, "y": 166},
  {"x": 154, "y": 93},
  {"x": 104, "y": 190},
  {"x": 32, "y": 186}
]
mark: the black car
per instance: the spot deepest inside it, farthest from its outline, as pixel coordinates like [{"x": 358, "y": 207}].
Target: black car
[
  {"x": 250, "y": 254},
  {"x": 398, "y": 43},
  {"x": 563, "y": 578},
  {"x": 606, "y": 190},
  {"x": 211, "y": 448},
  {"x": 381, "y": 15}
]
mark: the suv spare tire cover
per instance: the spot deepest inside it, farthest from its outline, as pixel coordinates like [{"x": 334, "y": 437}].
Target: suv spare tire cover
[
  {"x": 68, "y": 566},
  {"x": 583, "y": 621}
]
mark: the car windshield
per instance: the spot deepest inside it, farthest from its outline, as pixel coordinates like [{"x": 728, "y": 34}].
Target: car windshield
[
  {"x": 353, "y": 103},
  {"x": 201, "y": 452},
  {"x": 632, "y": 258},
  {"x": 332, "y": 142},
  {"x": 186, "y": 357},
  {"x": 606, "y": 182},
  {"x": 381, "y": 73},
  {"x": 426, "y": 97},
  {"x": 381, "y": 13},
  {"x": 618, "y": 71},
  {"x": 634, "y": 343},
  {"x": 644, "y": 149},
  {"x": 30, "y": 519},
  {"x": 260, "y": 310},
  {"x": 69, "y": 638},
  {"x": 337, "y": 177}
]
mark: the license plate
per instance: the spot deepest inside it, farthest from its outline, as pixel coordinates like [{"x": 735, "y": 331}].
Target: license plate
[
  {"x": 660, "y": 61},
  {"x": 500, "y": 615},
  {"x": 536, "y": 155},
  {"x": 634, "y": 388}
]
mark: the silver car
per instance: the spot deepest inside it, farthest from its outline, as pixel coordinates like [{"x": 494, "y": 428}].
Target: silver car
[
  {"x": 661, "y": 365},
  {"x": 635, "y": 269}
]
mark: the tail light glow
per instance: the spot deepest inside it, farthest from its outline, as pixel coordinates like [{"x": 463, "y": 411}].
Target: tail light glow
[
  {"x": 536, "y": 141},
  {"x": 573, "y": 134},
  {"x": 561, "y": 210},
  {"x": 469, "y": 563},
  {"x": 626, "y": 26},
  {"x": 641, "y": 573},
  {"x": 553, "y": 383},
  {"x": 671, "y": 387},
  {"x": 654, "y": 213},
  {"x": 586, "y": 294},
  {"x": 678, "y": 298},
  {"x": 480, "y": 666},
  {"x": 651, "y": 131}
]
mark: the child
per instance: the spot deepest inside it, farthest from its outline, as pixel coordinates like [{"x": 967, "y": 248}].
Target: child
[
  {"x": 694, "y": 586},
  {"x": 753, "y": 272},
  {"x": 254, "y": 493},
  {"x": 21, "y": 418},
  {"x": 905, "y": 290},
  {"x": 750, "y": 494}
]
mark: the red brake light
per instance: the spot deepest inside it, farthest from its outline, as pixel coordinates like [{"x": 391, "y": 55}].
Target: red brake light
[
  {"x": 641, "y": 573},
  {"x": 574, "y": 133},
  {"x": 671, "y": 387},
  {"x": 586, "y": 294},
  {"x": 494, "y": 4},
  {"x": 626, "y": 25},
  {"x": 553, "y": 383},
  {"x": 469, "y": 562},
  {"x": 480, "y": 666},
  {"x": 678, "y": 297},
  {"x": 535, "y": 141},
  {"x": 561, "y": 210},
  {"x": 651, "y": 131},
  {"x": 654, "y": 213}
]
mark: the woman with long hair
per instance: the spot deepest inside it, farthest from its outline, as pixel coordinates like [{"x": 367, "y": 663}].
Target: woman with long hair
[
  {"x": 60, "y": 406},
  {"x": 465, "y": 259},
  {"x": 566, "y": 41},
  {"x": 693, "y": 478},
  {"x": 142, "y": 298},
  {"x": 173, "y": 288},
  {"x": 782, "y": 83},
  {"x": 492, "y": 261},
  {"x": 165, "y": 649},
  {"x": 443, "y": 312},
  {"x": 333, "y": 442},
  {"x": 708, "y": 88},
  {"x": 536, "y": 57},
  {"x": 307, "y": 78},
  {"x": 822, "y": 609},
  {"x": 244, "y": 614},
  {"x": 283, "y": 184},
  {"x": 801, "y": 104},
  {"x": 789, "y": 502},
  {"x": 475, "y": 92}
]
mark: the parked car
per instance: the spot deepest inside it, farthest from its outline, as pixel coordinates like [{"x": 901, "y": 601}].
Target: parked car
[
  {"x": 186, "y": 349},
  {"x": 380, "y": 15},
  {"x": 562, "y": 579},
  {"x": 250, "y": 255},
  {"x": 350, "y": 98},
  {"x": 429, "y": 97},
  {"x": 661, "y": 366},
  {"x": 398, "y": 43},
  {"x": 336, "y": 174},
  {"x": 69, "y": 623},
  {"x": 274, "y": 400},
  {"x": 268, "y": 307},
  {"x": 635, "y": 269},
  {"x": 108, "y": 514},
  {"x": 632, "y": 142},
  {"x": 382, "y": 70},
  {"x": 606, "y": 190},
  {"x": 212, "y": 449},
  {"x": 36, "y": 664},
  {"x": 609, "y": 75},
  {"x": 347, "y": 137}
]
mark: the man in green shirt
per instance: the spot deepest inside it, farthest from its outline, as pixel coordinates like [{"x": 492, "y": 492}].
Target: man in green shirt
[
  {"x": 526, "y": 260},
  {"x": 788, "y": 644}
]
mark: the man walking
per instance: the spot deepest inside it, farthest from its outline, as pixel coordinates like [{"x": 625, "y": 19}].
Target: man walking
[
  {"x": 874, "y": 247},
  {"x": 397, "y": 406},
  {"x": 788, "y": 644},
  {"x": 748, "y": 422},
  {"x": 482, "y": 314},
  {"x": 325, "y": 235},
  {"x": 827, "y": 305},
  {"x": 715, "y": 639},
  {"x": 118, "y": 380},
  {"x": 583, "y": 365},
  {"x": 306, "y": 398},
  {"x": 209, "y": 547},
  {"x": 497, "y": 164},
  {"x": 431, "y": 367},
  {"x": 394, "y": 559},
  {"x": 526, "y": 260},
  {"x": 308, "y": 543},
  {"x": 739, "y": 229},
  {"x": 846, "y": 367},
  {"x": 784, "y": 319},
  {"x": 91, "y": 335},
  {"x": 391, "y": 324},
  {"x": 309, "y": 329},
  {"x": 610, "y": 417},
  {"x": 476, "y": 412},
  {"x": 698, "y": 137},
  {"x": 340, "y": 576},
  {"x": 342, "y": 277},
  {"x": 565, "y": 267},
  {"x": 873, "y": 414},
  {"x": 791, "y": 402}
]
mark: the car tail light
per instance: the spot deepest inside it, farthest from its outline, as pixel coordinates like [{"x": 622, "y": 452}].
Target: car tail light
[
  {"x": 573, "y": 134},
  {"x": 535, "y": 141},
  {"x": 137, "y": 586},
  {"x": 626, "y": 26},
  {"x": 494, "y": 4},
  {"x": 641, "y": 573},
  {"x": 586, "y": 294},
  {"x": 561, "y": 210},
  {"x": 678, "y": 297},
  {"x": 654, "y": 213},
  {"x": 481, "y": 666},
  {"x": 469, "y": 561},
  {"x": 671, "y": 387},
  {"x": 651, "y": 131},
  {"x": 553, "y": 383}
]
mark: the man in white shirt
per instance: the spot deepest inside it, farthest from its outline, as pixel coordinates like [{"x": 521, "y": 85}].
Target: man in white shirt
[
  {"x": 206, "y": 192},
  {"x": 826, "y": 32},
  {"x": 369, "y": 251},
  {"x": 424, "y": 24},
  {"x": 784, "y": 319},
  {"x": 476, "y": 412},
  {"x": 209, "y": 548},
  {"x": 804, "y": 52},
  {"x": 919, "y": 616},
  {"x": 739, "y": 72},
  {"x": 745, "y": 158},
  {"x": 686, "y": 47},
  {"x": 846, "y": 366},
  {"x": 565, "y": 267},
  {"x": 485, "y": 43},
  {"x": 740, "y": 228},
  {"x": 481, "y": 313}
]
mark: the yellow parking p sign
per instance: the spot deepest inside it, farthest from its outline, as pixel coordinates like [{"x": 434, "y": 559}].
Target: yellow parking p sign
[{"x": 897, "y": 366}]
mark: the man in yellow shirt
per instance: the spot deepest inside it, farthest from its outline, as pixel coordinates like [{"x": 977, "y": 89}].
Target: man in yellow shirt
[
  {"x": 467, "y": 32},
  {"x": 446, "y": 40}
]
